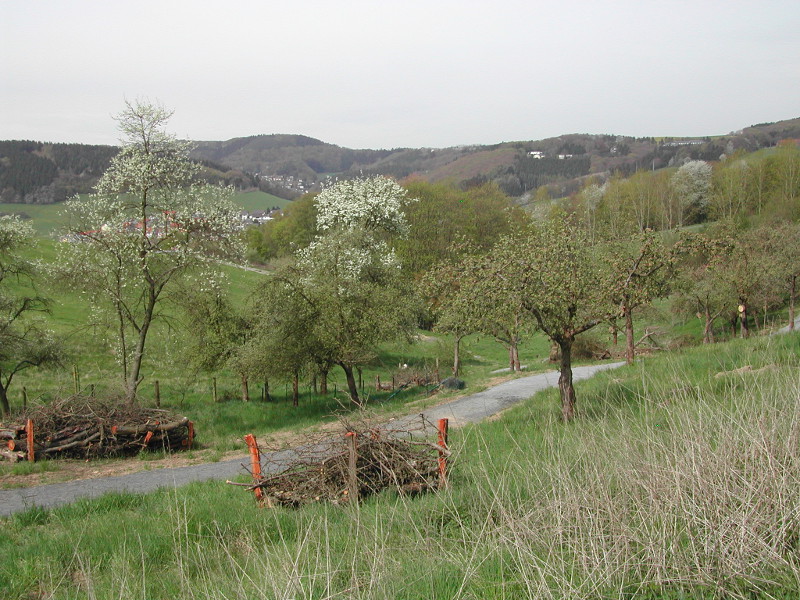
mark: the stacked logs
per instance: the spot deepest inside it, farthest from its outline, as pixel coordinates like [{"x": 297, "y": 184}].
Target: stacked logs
[{"x": 80, "y": 427}]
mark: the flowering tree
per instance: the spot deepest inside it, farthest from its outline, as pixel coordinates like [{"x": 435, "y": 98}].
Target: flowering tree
[
  {"x": 692, "y": 184},
  {"x": 346, "y": 284},
  {"x": 369, "y": 203},
  {"x": 24, "y": 343},
  {"x": 147, "y": 226}
]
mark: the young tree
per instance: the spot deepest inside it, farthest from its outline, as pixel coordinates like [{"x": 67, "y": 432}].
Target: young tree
[
  {"x": 147, "y": 226},
  {"x": 642, "y": 269},
  {"x": 782, "y": 244},
  {"x": 24, "y": 342},
  {"x": 282, "y": 343},
  {"x": 701, "y": 291},
  {"x": 568, "y": 290},
  {"x": 446, "y": 291},
  {"x": 215, "y": 332}
]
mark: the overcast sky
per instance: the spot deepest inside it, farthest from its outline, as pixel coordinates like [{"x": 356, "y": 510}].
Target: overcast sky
[{"x": 386, "y": 74}]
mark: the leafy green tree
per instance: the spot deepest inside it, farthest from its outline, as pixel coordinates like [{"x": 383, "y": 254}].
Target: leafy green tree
[
  {"x": 782, "y": 244},
  {"x": 147, "y": 227},
  {"x": 642, "y": 270},
  {"x": 358, "y": 299},
  {"x": 784, "y": 175},
  {"x": 215, "y": 331},
  {"x": 701, "y": 290},
  {"x": 568, "y": 290},
  {"x": 295, "y": 227},
  {"x": 24, "y": 342},
  {"x": 730, "y": 189},
  {"x": 446, "y": 220},
  {"x": 282, "y": 343},
  {"x": 446, "y": 291}
]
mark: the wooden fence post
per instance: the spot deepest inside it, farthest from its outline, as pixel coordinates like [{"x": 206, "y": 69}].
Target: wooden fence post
[
  {"x": 255, "y": 462},
  {"x": 190, "y": 432},
  {"x": 76, "y": 379},
  {"x": 443, "y": 429},
  {"x": 214, "y": 388},
  {"x": 352, "y": 459},
  {"x": 29, "y": 436}
]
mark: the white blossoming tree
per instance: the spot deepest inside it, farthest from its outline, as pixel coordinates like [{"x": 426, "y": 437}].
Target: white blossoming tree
[
  {"x": 371, "y": 204},
  {"x": 692, "y": 184},
  {"x": 148, "y": 225},
  {"x": 347, "y": 281}
]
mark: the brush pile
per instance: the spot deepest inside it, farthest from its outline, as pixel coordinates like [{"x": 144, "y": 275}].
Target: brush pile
[
  {"x": 85, "y": 427},
  {"x": 360, "y": 461}
]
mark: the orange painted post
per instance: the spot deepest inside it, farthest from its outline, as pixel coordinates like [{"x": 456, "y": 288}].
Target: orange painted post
[
  {"x": 352, "y": 475},
  {"x": 147, "y": 437},
  {"x": 255, "y": 462},
  {"x": 443, "y": 428},
  {"x": 29, "y": 435}
]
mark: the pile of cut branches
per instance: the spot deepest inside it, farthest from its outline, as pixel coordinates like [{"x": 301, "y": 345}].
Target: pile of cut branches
[
  {"x": 360, "y": 461},
  {"x": 87, "y": 427}
]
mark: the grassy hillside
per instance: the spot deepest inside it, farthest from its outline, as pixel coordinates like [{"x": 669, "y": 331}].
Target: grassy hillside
[
  {"x": 47, "y": 219},
  {"x": 679, "y": 480}
]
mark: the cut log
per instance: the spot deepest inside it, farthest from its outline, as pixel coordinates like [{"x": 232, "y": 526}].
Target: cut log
[{"x": 12, "y": 455}]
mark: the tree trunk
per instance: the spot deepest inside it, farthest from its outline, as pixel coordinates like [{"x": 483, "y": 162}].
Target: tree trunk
[
  {"x": 352, "y": 388},
  {"x": 6, "y": 407},
  {"x": 630, "y": 347},
  {"x": 457, "y": 355},
  {"x": 565, "y": 387},
  {"x": 792, "y": 291},
  {"x": 323, "y": 383},
  {"x": 517, "y": 366},
  {"x": 245, "y": 389},
  {"x": 743, "y": 318},
  {"x": 295, "y": 388},
  {"x": 267, "y": 397},
  {"x": 708, "y": 331},
  {"x": 136, "y": 363}
]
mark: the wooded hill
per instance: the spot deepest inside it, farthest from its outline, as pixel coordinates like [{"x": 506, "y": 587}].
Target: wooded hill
[{"x": 289, "y": 165}]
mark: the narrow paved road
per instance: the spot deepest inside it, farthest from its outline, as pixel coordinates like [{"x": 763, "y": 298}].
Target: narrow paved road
[{"x": 469, "y": 409}]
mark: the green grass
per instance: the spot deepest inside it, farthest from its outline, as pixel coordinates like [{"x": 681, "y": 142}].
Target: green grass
[
  {"x": 259, "y": 201},
  {"x": 679, "y": 479}
]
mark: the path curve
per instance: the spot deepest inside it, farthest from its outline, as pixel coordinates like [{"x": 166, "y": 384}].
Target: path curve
[{"x": 468, "y": 409}]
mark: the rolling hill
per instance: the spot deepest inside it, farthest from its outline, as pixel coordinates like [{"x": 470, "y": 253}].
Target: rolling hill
[{"x": 290, "y": 165}]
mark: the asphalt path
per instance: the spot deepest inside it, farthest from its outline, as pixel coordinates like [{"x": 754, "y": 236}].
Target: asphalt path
[{"x": 468, "y": 409}]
